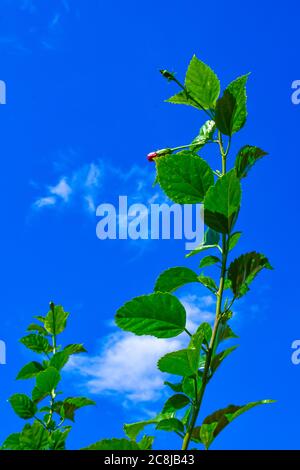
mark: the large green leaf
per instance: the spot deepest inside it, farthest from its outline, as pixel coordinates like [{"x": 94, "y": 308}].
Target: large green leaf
[
  {"x": 225, "y": 113},
  {"x": 36, "y": 343},
  {"x": 244, "y": 269},
  {"x": 246, "y": 158},
  {"x": 205, "y": 134},
  {"x": 12, "y": 442},
  {"x": 238, "y": 89},
  {"x": 202, "y": 83},
  {"x": 160, "y": 314},
  {"x": 30, "y": 370},
  {"x": 57, "y": 439},
  {"x": 217, "y": 421},
  {"x": 171, "y": 424},
  {"x": 211, "y": 240},
  {"x": 59, "y": 360},
  {"x": 47, "y": 380},
  {"x": 231, "y": 111},
  {"x": 176, "y": 402},
  {"x": 184, "y": 362},
  {"x": 34, "y": 437},
  {"x": 113, "y": 444},
  {"x": 222, "y": 203},
  {"x": 22, "y": 405},
  {"x": 56, "y": 319},
  {"x": 184, "y": 177},
  {"x": 173, "y": 278}
]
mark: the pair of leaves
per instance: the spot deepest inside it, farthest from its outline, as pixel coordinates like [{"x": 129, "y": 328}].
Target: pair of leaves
[
  {"x": 216, "y": 422},
  {"x": 244, "y": 269},
  {"x": 202, "y": 87}
]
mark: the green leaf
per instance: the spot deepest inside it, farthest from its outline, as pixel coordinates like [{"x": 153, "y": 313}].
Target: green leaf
[
  {"x": 246, "y": 158},
  {"x": 12, "y": 442},
  {"x": 57, "y": 440},
  {"x": 175, "y": 387},
  {"x": 69, "y": 406},
  {"x": 225, "y": 113},
  {"x": 30, "y": 370},
  {"x": 40, "y": 329},
  {"x": 184, "y": 177},
  {"x": 74, "y": 349},
  {"x": 34, "y": 437},
  {"x": 233, "y": 240},
  {"x": 224, "y": 333},
  {"x": 217, "y": 421},
  {"x": 188, "y": 386},
  {"x": 202, "y": 84},
  {"x": 173, "y": 278},
  {"x": 56, "y": 320},
  {"x": 36, "y": 343},
  {"x": 146, "y": 443},
  {"x": 184, "y": 362},
  {"x": 208, "y": 282},
  {"x": 37, "y": 395},
  {"x": 160, "y": 314},
  {"x": 244, "y": 269},
  {"x": 211, "y": 240},
  {"x": 222, "y": 203},
  {"x": 22, "y": 405},
  {"x": 171, "y": 424},
  {"x": 132, "y": 430},
  {"x": 209, "y": 261},
  {"x": 219, "y": 358},
  {"x": 113, "y": 444},
  {"x": 59, "y": 360},
  {"x": 47, "y": 380},
  {"x": 196, "y": 435},
  {"x": 238, "y": 89},
  {"x": 176, "y": 402},
  {"x": 205, "y": 134},
  {"x": 181, "y": 98},
  {"x": 204, "y": 333}
]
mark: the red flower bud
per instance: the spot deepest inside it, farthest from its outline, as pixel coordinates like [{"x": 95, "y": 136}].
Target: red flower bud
[
  {"x": 151, "y": 156},
  {"x": 159, "y": 153}
]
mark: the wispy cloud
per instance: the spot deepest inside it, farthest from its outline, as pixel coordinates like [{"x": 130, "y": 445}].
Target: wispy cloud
[
  {"x": 86, "y": 185},
  {"x": 126, "y": 364},
  {"x": 82, "y": 184}
]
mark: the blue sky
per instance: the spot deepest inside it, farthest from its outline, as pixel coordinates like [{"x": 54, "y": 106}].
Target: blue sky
[{"x": 84, "y": 107}]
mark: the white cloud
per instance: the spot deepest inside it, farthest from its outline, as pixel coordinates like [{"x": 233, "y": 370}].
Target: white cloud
[
  {"x": 44, "y": 202},
  {"x": 62, "y": 189},
  {"x": 126, "y": 364},
  {"x": 83, "y": 184}
]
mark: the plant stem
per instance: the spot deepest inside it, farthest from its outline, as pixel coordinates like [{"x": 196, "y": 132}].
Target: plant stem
[{"x": 212, "y": 344}]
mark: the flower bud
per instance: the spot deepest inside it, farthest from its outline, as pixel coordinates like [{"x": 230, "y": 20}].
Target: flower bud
[
  {"x": 168, "y": 75},
  {"x": 159, "y": 153}
]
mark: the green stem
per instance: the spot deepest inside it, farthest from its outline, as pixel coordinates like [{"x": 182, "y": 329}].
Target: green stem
[{"x": 212, "y": 345}]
